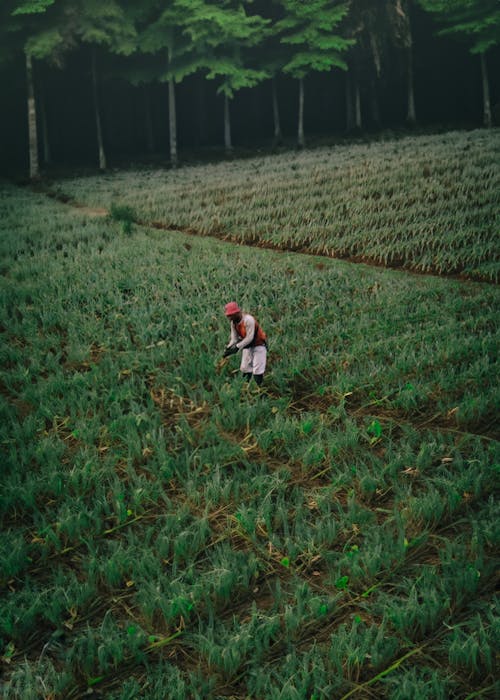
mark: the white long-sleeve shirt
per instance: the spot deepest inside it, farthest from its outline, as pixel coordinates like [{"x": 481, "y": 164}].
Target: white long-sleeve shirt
[{"x": 249, "y": 322}]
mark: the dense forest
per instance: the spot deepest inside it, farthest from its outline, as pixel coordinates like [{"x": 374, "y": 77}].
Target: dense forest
[{"x": 105, "y": 82}]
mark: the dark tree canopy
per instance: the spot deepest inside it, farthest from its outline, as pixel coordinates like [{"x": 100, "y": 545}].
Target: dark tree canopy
[{"x": 129, "y": 77}]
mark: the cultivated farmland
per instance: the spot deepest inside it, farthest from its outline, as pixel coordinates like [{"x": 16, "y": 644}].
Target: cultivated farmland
[
  {"x": 428, "y": 203},
  {"x": 169, "y": 531}
]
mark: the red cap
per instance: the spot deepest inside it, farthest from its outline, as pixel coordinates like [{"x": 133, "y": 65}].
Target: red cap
[{"x": 231, "y": 308}]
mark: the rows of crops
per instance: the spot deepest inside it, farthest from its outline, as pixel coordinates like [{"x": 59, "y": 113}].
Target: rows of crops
[
  {"x": 428, "y": 203},
  {"x": 167, "y": 526}
]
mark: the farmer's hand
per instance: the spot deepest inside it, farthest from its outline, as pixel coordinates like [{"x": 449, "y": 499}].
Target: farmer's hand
[{"x": 231, "y": 350}]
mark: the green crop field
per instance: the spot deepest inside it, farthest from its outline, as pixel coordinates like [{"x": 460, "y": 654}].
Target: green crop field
[
  {"x": 169, "y": 531},
  {"x": 427, "y": 203}
]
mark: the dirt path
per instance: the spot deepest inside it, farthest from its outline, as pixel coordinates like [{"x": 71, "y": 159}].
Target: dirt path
[{"x": 65, "y": 199}]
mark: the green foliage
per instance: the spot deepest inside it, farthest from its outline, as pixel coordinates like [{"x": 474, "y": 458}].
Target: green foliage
[
  {"x": 49, "y": 33},
  {"x": 235, "y": 76},
  {"x": 102, "y": 23},
  {"x": 123, "y": 214},
  {"x": 223, "y": 32},
  {"x": 32, "y": 7},
  {"x": 33, "y": 680},
  {"x": 163, "y": 29},
  {"x": 45, "y": 44},
  {"x": 309, "y": 27},
  {"x": 478, "y": 21},
  {"x": 97, "y": 650},
  {"x": 472, "y": 646}
]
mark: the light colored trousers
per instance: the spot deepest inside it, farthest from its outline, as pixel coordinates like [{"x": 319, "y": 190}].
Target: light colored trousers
[{"x": 254, "y": 359}]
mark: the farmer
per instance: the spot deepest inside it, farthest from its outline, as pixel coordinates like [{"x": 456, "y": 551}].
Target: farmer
[{"x": 247, "y": 336}]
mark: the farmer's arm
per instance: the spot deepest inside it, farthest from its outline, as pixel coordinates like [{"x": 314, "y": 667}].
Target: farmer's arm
[
  {"x": 234, "y": 336},
  {"x": 250, "y": 332}
]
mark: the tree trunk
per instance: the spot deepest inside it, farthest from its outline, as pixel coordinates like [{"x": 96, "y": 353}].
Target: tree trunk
[
  {"x": 486, "y": 92},
  {"x": 201, "y": 111},
  {"x": 374, "y": 103},
  {"x": 172, "y": 123},
  {"x": 150, "y": 139},
  {"x": 97, "y": 113},
  {"x": 278, "y": 136},
  {"x": 377, "y": 60},
  {"x": 377, "y": 70},
  {"x": 349, "y": 114},
  {"x": 300, "y": 132},
  {"x": 358, "y": 123},
  {"x": 47, "y": 159},
  {"x": 32, "y": 132},
  {"x": 411, "y": 116},
  {"x": 227, "y": 126}
]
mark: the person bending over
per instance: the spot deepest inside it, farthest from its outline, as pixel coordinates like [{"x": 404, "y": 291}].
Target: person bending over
[{"x": 247, "y": 336}]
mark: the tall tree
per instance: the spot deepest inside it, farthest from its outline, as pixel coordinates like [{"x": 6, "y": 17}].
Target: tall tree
[
  {"x": 97, "y": 24},
  {"x": 399, "y": 19},
  {"x": 364, "y": 57},
  {"x": 224, "y": 32},
  {"x": 308, "y": 29},
  {"x": 47, "y": 157},
  {"x": 377, "y": 27},
  {"x": 163, "y": 32},
  {"x": 477, "y": 22},
  {"x": 24, "y": 30},
  {"x": 271, "y": 56}
]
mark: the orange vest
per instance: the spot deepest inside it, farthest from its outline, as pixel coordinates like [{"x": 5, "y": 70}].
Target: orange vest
[{"x": 259, "y": 337}]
